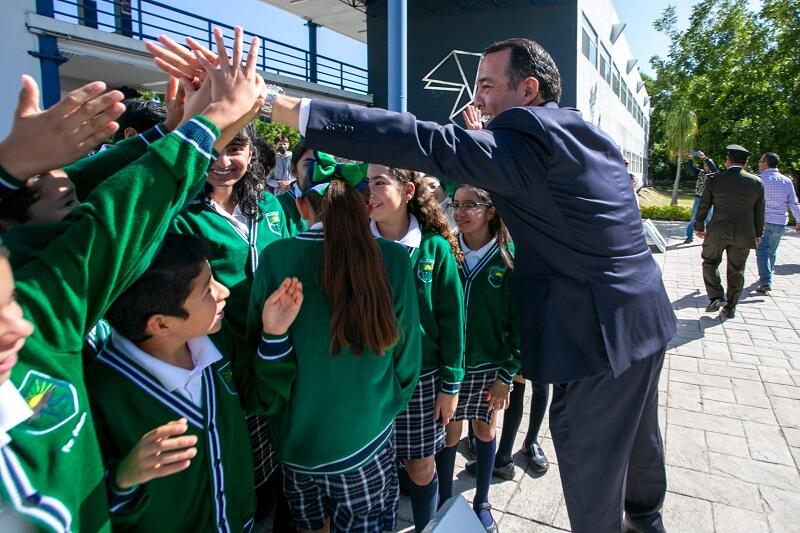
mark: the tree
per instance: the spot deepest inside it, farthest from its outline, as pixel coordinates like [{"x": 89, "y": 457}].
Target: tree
[
  {"x": 681, "y": 129},
  {"x": 269, "y": 130},
  {"x": 738, "y": 70}
]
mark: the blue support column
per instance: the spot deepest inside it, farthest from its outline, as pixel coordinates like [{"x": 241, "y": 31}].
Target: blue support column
[
  {"x": 312, "y": 51},
  {"x": 49, "y": 58},
  {"x": 398, "y": 54}
]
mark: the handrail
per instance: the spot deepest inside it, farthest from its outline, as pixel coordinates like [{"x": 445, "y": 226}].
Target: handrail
[{"x": 149, "y": 18}]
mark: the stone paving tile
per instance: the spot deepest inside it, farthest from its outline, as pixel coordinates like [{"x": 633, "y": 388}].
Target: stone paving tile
[
  {"x": 682, "y": 513},
  {"x": 733, "y": 520}
]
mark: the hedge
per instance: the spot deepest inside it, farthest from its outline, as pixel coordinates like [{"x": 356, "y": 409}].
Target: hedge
[{"x": 666, "y": 212}]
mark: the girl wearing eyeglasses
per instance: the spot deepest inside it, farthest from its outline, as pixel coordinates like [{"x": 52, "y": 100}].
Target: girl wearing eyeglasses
[
  {"x": 403, "y": 210},
  {"x": 491, "y": 354}
]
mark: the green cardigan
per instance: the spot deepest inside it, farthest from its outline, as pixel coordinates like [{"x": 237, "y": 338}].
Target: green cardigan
[
  {"x": 216, "y": 492},
  {"x": 54, "y": 460},
  {"x": 233, "y": 257},
  {"x": 328, "y": 413},
  {"x": 492, "y": 336}
]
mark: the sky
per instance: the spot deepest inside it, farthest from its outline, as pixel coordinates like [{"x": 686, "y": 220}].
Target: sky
[{"x": 259, "y": 17}]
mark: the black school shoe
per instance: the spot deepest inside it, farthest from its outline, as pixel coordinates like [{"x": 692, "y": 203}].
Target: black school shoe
[
  {"x": 536, "y": 457},
  {"x": 505, "y": 471},
  {"x": 763, "y": 289},
  {"x": 715, "y": 304},
  {"x": 728, "y": 311},
  {"x": 486, "y": 505}
]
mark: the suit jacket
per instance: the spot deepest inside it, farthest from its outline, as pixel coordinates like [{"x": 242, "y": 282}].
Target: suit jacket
[
  {"x": 738, "y": 200},
  {"x": 590, "y": 295}
]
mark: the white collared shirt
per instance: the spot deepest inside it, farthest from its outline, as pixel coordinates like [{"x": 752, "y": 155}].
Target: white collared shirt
[
  {"x": 473, "y": 257},
  {"x": 187, "y": 383},
  {"x": 240, "y": 222},
  {"x": 413, "y": 236},
  {"x": 14, "y": 410}
]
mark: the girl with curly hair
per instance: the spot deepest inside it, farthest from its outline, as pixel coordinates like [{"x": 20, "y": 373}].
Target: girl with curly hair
[{"x": 403, "y": 210}]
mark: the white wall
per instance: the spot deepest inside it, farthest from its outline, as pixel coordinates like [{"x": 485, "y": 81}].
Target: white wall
[
  {"x": 595, "y": 98},
  {"x": 15, "y": 59}
]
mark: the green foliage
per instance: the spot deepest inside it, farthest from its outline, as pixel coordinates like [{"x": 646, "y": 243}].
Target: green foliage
[
  {"x": 737, "y": 69},
  {"x": 666, "y": 212},
  {"x": 680, "y": 129},
  {"x": 269, "y": 130}
]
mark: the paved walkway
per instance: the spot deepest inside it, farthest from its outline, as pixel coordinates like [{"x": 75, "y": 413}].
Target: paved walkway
[{"x": 730, "y": 412}]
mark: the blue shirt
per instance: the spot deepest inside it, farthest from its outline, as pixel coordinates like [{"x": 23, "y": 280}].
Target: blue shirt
[{"x": 779, "y": 196}]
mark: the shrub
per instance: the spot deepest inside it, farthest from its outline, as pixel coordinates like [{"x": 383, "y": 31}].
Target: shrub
[{"x": 666, "y": 212}]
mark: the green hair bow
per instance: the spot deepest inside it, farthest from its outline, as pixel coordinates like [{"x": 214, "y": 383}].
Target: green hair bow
[{"x": 325, "y": 168}]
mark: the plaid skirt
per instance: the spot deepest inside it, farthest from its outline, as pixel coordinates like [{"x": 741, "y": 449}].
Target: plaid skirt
[
  {"x": 416, "y": 433},
  {"x": 265, "y": 463},
  {"x": 472, "y": 404},
  {"x": 364, "y": 500}
]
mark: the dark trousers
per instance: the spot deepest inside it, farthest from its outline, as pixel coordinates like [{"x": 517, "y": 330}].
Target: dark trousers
[
  {"x": 609, "y": 447},
  {"x": 712, "y": 257}
]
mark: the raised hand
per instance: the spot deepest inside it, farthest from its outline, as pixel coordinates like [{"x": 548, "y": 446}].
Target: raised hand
[
  {"x": 177, "y": 60},
  {"x": 472, "y": 118},
  {"x": 73, "y": 126},
  {"x": 282, "y": 307},
  {"x": 160, "y": 453},
  {"x": 174, "y": 100},
  {"x": 236, "y": 93}
]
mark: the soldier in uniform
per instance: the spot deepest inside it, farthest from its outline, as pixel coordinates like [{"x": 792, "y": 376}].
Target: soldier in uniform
[{"x": 735, "y": 228}]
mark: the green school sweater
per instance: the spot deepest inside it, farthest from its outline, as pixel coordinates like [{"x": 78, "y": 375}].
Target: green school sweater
[
  {"x": 328, "y": 413},
  {"x": 216, "y": 492},
  {"x": 86, "y": 174},
  {"x": 294, "y": 222},
  {"x": 233, "y": 257},
  {"x": 441, "y": 304},
  {"x": 492, "y": 336},
  {"x": 55, "y": 473}
]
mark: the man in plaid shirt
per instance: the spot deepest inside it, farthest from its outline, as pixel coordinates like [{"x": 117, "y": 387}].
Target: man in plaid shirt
[{"x": 779, "y": 196}]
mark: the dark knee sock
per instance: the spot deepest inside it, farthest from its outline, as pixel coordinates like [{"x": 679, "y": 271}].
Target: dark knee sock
[
  {"x": 445, "y": 465},
  {"x": 540, "y": 394},
  {"x": 423, "y": 501},
  {"x": 483, "y": 474},
  {"x": 511, "y": 420}
]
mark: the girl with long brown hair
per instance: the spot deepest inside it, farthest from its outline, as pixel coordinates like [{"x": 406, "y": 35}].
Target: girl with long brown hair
[
  {"x": 335, "y": 317},
  {"x": 403, "y": 210}
]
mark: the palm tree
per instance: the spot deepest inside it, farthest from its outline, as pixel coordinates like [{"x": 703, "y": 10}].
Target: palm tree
[{"x": 681, "y": 128}]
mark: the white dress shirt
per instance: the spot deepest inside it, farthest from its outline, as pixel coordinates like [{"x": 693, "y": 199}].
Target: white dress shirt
[
  {"x": 413, "y": 236},
  {"x": 13, "y": 410}
]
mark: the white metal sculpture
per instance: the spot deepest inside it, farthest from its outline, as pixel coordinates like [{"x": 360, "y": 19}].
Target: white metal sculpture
[{"x": 462, "y": 83}]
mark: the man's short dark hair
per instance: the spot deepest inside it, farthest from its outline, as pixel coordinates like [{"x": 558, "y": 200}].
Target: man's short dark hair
[
  {"x": 771, "y": 159},
  {"x": 530, "y": 60},
  {"x": 737, "y": 158},
  {"x": 162, "y": 289},
  {"x": 140, "y": 115}
]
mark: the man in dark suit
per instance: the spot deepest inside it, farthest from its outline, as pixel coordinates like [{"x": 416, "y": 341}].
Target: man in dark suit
[
  {"x": 594, "y": 314},
  {"x": 736, "y": 227}
]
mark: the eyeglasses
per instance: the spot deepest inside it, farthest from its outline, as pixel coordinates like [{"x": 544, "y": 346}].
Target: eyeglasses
[{"x": 467, "y": 206}]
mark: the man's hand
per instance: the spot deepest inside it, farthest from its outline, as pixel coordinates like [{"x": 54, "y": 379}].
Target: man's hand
[
  {"x": 700, "y": 234},
  {"x": 236, "y": 93},
  {"x": 472, "y": 117},
  {"x": 43, "y": 140},
  {"x": 445, "y": 407},
  {"x": 159, "y": 453},
  {"x": 498, "y": 396},
  {"x": 282, "y": 307}
]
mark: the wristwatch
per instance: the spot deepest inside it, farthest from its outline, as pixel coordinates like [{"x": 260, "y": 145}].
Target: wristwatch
[{"x": 270, "y": 93}]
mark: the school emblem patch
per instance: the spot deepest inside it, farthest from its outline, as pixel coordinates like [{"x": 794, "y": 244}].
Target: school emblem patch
[
  {"x": 425, "y": 270},
  {"x": 226, "y": 375},
  {"x": 274, "y": 222},
  {"x": 53, "y": 401},
  {"x": 496, "y": 275}
]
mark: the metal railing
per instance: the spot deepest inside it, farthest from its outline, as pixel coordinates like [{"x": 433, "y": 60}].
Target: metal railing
[{"x": 147, "y": 19}]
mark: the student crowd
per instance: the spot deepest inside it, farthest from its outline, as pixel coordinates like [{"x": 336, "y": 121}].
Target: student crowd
[{"x": 181, "y": 349}]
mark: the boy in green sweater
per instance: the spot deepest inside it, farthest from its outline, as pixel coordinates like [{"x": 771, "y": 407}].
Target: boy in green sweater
[
  {"x": 167, "y": 413},
  {"x": 55, "y": 473}
]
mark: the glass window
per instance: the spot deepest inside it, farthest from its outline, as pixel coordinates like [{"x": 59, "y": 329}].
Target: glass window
[
  {"x": 615, "y": 81},
  {"x": 589, "y": 42},
  {"x": 605, "y": 64}
]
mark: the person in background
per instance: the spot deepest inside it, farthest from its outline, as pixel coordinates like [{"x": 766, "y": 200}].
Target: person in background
[
  {"x": 139, "y": 116},
  {"x": 435, "y": 186},
  {"x": 280, "y": 178},
  {"x": 702, "y": 175},
  {"x": 738, "y": 199},
  {"x": 779, "y": 195}
]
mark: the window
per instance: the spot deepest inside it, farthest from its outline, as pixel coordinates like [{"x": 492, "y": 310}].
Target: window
[
  {"x": 605, "y": 64},
  {"x": 615, "y": 81},
  {"x": 589, "y": 43}
]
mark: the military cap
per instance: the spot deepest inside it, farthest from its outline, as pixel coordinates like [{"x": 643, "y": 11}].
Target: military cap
[{"x": 738, "y": 151}]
